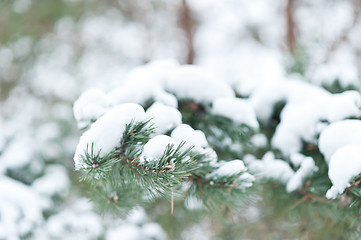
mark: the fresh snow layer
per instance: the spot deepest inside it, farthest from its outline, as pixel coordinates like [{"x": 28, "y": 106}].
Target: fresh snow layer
[
  {"x": 193, "y": 203},
  {"x": 146, "y": 83},
  {"x": 345, "y": 164},
  {"x": 192, "y": 138},
  {"x": 300, "y": 121},
  {"x": 339, "y": 134},
  {"x": 54, "y": 182},
  {"x": 165, "y": 81},
  {"x": 265, "y": 98},
  {"x": 194, "y": 83},
  {"x": 89, "y": 107},
  {"x": 162, "y": 81},
  {"x": 129, "y": 231},
  {"x": 105, "y": 134},
  {"x": 292, "y": 90},
  {"x": 238, "y": 110},
  {"x": 259, "y": 140},
  {"x": 270, "y": 168},
  {"x": 233, "y": 168},
  {"x": 297, "y": 159},
  {"x": 307, "y": 168},
  {"x": 155, "y": 147},
  {"x": 21, "y": 209},
  {"x": 18, "y": 153},
  {"x": 280, "y": 171},
  {"x": 342, "y": 67},
  {"x": 229, "y": 168},
  {"x": 77, "y": 221},
  {"x": 163, "y": 117}
]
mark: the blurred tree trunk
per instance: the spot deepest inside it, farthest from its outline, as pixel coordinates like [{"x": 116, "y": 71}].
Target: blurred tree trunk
[
  {"x": 187, "y": 24},
  {"x": 291, "y": 38}
]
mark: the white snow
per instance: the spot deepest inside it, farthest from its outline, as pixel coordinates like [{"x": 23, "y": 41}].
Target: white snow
[
  {"x": 155, "y": 147},
  {"x": 211, "y": 155},
  {"x": 231, "y": 168},
  {"x": 259, "y": 140},
  {"x": 337, "y": 135},
  {"x": 193, "y": 203},
  {"x": 228, "y": 168},
  {"x": 246, "y": 179},
  {"x": 238, "y": 110},
  {"x": 307, "y": 168},
  {"x": 280, "y": 171},
  {"x": 54, "y": 182},
  {"x": 137, "y": 216},
  {"x": 155, "y": 71},
  {"x": 345, "y": 164},
  {"x": 145, "y": 83},
  {"x": 300, "y": 119},
  {"x": 342, "y": 67},
  {"x": 297, "y": 159},
  {"x": 21, "y": 209},
  {"x": 137, "y": 92},
  {"x": 18, "y": 153},
  {"x": 194, "y": 83},
  {"x": 76, "y": 222},
  {"x": 291, "y": 90},
  {"x": 162, "y": 81},
  {"x": 90, "y": 106},
  {"x": 125, "y": 232},
  {"x": 192, "y": 138},
  {"x": 152, "y": 230},
  {"x": 247, "y": 56},
  {"x": 163, "y": 117},
  {"x": 270, "y": 168},
  {"x": 105, "y": 134}
]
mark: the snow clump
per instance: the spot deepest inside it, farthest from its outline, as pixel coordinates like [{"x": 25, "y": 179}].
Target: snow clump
[
  {"x": 337, "y": 135},
  {"x": 156, "y": 146},
  {"x": 106, "y": 133},
  {"x": 345, "y": 164}
]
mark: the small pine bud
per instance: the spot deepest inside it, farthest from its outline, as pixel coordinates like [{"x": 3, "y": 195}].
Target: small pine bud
[
  {"x": 115, "y": 199},
  {"x": 345, "y": 200},
  {"x": 169, "y": 165}
]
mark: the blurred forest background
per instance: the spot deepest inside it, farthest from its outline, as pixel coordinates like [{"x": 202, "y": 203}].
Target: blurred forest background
[{"x": 51, "y": 51}]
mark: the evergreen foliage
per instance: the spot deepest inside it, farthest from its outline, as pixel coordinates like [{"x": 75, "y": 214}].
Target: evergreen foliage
[{"x": 121, "y": 180}]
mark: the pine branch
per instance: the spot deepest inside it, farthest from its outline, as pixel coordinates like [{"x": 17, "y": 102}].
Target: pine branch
[{"x": 121, "y": 171}]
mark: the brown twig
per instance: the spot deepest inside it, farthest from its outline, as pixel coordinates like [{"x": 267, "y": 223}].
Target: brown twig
[
  {"x": 309, "y": 197},
  {"x": 200, "y": 187},
  {"x": 172, "y": 203}
]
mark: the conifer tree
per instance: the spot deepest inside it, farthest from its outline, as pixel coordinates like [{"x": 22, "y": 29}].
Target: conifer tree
[{"x": 174, "y": 132}]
